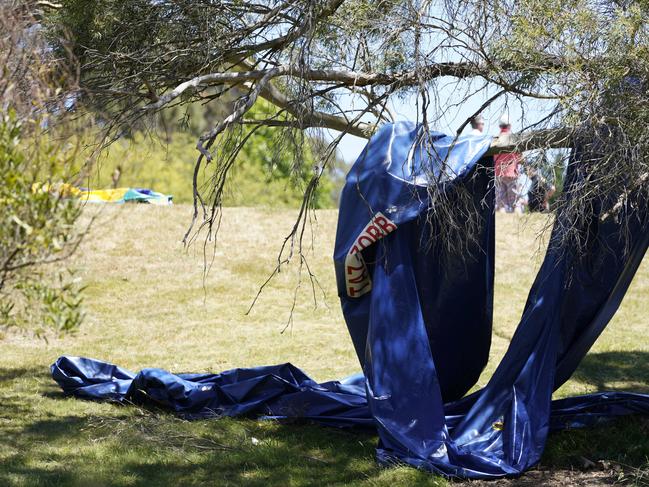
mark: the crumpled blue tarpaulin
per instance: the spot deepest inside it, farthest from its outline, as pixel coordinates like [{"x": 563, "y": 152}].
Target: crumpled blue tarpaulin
[{"x": 420, "y": 321}]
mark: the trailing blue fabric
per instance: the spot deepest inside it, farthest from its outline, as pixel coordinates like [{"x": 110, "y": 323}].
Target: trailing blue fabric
[
  {"x": 420, "y": 320},
  {"x": 278, "y": 391}
]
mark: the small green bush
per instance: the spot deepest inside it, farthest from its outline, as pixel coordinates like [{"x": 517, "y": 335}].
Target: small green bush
[{"x": 36, "y": 234}]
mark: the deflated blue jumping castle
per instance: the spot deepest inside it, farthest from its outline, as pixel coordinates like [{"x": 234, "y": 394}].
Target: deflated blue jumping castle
[{"x": 420, "y": 320}]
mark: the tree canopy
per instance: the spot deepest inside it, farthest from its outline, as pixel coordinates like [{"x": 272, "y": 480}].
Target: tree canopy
[{"x": 337, "y": 64}]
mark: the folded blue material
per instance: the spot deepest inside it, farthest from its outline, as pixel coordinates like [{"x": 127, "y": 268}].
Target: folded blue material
[{"x": 420, "y": 319}]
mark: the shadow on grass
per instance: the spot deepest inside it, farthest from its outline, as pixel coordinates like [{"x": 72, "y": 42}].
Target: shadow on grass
[
  {"x": 49, "y": 440},
  {"x": 46, "y": 439},
  {"x": 624, "y": 441},
  {"x": 154, "y": 449},
  {"x": 615, "y": 370},
  {"x": 25, "y": 437},
  {"x": 253, "y": 453},
  {"x": 12, "y": 374}
]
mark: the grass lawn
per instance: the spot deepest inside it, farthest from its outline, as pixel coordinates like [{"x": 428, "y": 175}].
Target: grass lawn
[{"x": 148, "y": 306}]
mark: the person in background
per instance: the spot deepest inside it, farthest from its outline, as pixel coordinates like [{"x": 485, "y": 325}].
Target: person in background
[
  {"x": 477, "y": 125},
  {"x": 506, "y": 171}
]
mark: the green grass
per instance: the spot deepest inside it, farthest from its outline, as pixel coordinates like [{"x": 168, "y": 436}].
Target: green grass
[{"x": 147, "y": 306}]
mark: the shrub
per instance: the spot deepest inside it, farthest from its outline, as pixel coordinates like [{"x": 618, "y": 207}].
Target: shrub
[{"x": 36, "y": 235}]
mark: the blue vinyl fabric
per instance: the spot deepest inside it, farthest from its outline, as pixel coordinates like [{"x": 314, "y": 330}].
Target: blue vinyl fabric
[{"x": 420, "y": 320}]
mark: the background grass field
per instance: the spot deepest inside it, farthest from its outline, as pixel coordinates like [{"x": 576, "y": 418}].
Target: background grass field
[{"x": 148, "y": 306}]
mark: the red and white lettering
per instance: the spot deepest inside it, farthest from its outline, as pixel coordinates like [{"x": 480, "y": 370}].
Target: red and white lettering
[
  {"x": 384, "y": 224},
  {"x": 356, "y": 276}
]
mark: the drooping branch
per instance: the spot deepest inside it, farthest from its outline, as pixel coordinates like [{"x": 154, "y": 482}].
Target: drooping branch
[{"x": 237, "y": 114}]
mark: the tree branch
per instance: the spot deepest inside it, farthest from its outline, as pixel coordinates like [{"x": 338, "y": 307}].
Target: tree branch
[
  {"x": 538, "y": 139},
  {"x": 350, "y": 78},
  {"x": 315, "y": 118}
]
